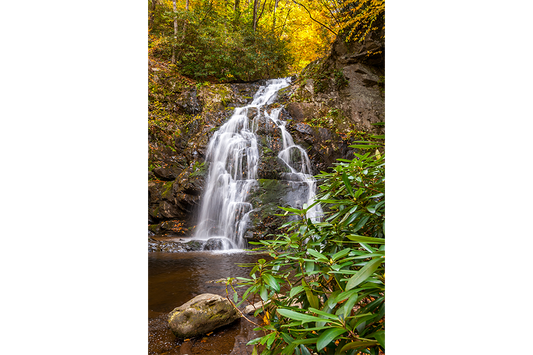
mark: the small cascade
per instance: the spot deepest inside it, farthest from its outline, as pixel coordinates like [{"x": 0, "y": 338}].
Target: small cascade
[
  {"x": 296, "y": 159},
  {"x": 233, "y": 158}
]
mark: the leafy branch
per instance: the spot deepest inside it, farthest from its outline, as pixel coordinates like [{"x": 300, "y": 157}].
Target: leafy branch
[{"x": 325, "y": 281}]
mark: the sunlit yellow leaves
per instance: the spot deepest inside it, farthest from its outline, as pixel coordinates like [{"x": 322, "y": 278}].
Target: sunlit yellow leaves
[{"x": 308, "y": 27}]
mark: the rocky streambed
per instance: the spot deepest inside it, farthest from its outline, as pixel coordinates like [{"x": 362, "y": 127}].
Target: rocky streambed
[
  {"x": 180, "y": 244},
  {"x": 176, "y": 278}
]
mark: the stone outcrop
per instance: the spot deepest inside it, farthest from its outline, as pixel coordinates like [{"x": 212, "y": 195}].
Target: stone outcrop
[
  {"x": 178, "y": 143},
  {"x": 338, "y": 99},
  {"x": 201, "y": 315},
  {"x": 331, "y": 103},
  {"x": 167, "y": 246}
]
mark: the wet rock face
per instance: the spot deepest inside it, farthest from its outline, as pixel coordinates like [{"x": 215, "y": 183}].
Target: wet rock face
[
  {"x": 216, "y": 244},
  {"x": 342, "y": 93},
  {"x": 266, "y": 197},
  {"x": 174, "y": 247},
  {"x": 177, "y": 166},
  {"x": 201, "y": 315}
]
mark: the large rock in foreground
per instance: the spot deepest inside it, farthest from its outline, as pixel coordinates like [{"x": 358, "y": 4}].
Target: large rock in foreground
[{"x": 201, "y": 315}]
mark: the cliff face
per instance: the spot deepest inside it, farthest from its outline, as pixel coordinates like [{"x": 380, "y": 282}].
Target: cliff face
[
  {"x": 182, "y": 118},
  {"x": 349, "y": 82},
  {"x": 333, "y": 102}
]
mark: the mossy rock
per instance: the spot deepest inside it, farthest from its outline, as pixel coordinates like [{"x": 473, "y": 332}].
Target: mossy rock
[
  {"x": 201, "y": 315},
  {"x": 266, "y": 197}
]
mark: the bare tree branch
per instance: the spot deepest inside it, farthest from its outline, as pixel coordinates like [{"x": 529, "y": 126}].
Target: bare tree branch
[{"x": 320, "y": 23}]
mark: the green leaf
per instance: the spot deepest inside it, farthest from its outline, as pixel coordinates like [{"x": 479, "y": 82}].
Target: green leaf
[
  {"x": 358, "y": 344},
  {"x": 296, "y": 290},
  {"x": 300, "y": 329},
  {"x": 290, "y": 209},
  {"x": 309, "y": 266},
  {"x": 317, "y": 255},
  {"x": 271, "y": 281},
  {"x": 360, "y": 224},
  {"x": 341, "y": 254},
  {"x": 304, "y": 350},
  {"x": 263, "y": 293},
  {"x": 332, "y": 299},
  {"x": 380, "y": 337},
  {"x": 366, "y": 142},
  {"x": 364, "y": 273},
  {"x": 351, "y": 218},
  {"x": 333, "y": 201},
  {"x": 298, "y": 316},
  {"x": 268, "y": 339},
  {"x": 361, "y": 320},
  {"x": 348, "y": 305},
  {"x": 322, "y": 313},
  {"x": 288, "y": 339},
  {"x": 378, "y": 136},
  {"x": 325, "y": 338},
  {"x": 377, "y": 195},
  {"x": 363, "y": 239},
  {"x": 253, "y": 341},
  {"x": 313, "y": 299},
  {"x": 347, "y": 183},
  {"x": 271, "y": 339},
  {"x": 289, "y": 349},
  {"x": 344, "y": 295},
  {"x": 352, "y": 210},
  {"x": 357, "y": 146}
]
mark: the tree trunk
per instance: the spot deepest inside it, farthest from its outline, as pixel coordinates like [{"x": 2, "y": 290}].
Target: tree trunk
[
  {"x": 185, "y": 22},
  {"x": 175, "y": 32},
  {"x": 274, "y": 16},
  {"x": 236, "y": 11},
  {"x": 254, "y": 24}
]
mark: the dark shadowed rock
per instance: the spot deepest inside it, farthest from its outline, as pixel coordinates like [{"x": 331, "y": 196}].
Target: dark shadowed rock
[{"x": 217, "y": 244}]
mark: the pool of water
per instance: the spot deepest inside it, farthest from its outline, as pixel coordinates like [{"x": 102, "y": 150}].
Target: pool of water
[{"x": 175, "y": 278}]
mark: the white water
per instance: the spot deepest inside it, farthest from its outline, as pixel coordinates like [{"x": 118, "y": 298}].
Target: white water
[{"x": 234, "y": 157}]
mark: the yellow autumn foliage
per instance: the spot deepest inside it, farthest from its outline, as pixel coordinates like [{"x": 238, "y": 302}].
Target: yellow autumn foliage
[{"x": 307, "y": 26}]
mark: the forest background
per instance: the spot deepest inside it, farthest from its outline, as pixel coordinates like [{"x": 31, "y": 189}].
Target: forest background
[
  {"x": 325, "y": 289},
  {"x": 245, "y": 40}
]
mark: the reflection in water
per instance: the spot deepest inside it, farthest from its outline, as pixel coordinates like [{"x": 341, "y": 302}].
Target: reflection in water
[{"x": 175, "y": 278}]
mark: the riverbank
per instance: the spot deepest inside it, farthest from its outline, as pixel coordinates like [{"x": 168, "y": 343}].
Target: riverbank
[{"x": 175, "y": 278}]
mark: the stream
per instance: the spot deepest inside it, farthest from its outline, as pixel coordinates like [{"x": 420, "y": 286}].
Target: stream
[
  {"x": 175, "y": 278},
  {"x": 225, "y": 208},
  {"x": 233, "y": 156}
]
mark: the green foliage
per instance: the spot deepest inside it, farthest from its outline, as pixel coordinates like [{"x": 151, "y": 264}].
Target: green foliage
[
  {"x": 323, "y": 290},
  {"x": 215, "y": 39},
  {"x": 216, "y": 43},
  {"x": 198, "y": 169}
]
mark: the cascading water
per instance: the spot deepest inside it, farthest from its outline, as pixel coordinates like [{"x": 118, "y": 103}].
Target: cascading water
[
  {"x": 296, "y": 159},
  {"x": 234, "y": 157}
]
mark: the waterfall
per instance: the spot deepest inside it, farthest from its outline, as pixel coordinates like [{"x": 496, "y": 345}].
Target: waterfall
[{"x": 233, "y": 158}]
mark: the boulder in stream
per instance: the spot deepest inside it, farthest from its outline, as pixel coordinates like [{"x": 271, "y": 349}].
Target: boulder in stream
[{"x": 201, "y": 315}]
